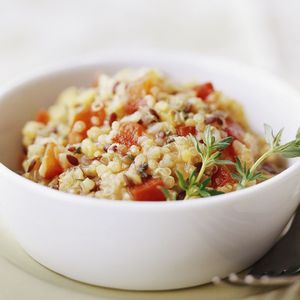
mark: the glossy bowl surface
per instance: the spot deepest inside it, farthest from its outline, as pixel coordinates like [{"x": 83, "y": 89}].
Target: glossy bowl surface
[{"x": 147, "y": 245}]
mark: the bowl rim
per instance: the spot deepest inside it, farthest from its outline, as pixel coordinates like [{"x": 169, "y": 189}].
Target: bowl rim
[{"x": 139, "y": 55}]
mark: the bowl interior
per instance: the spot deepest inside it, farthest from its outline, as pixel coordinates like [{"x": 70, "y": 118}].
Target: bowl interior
[{"x": 266, "y": 99}]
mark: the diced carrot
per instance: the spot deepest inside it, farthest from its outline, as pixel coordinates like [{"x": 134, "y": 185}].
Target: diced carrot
[
  {"x": 42, "y": 116},
  {"x": 183, "y": 130},
  {"x": 204, "y": 90},
  {"x": 89, "y": 118},
  {"x": 136, "y": 91},
  {"x": 221, "y": 177},
  {"x": 234, "y": 129},
  {"x": 148, "y": 191},
  {"x": 50, "y": 166},
  {"x": 87, "y": 114},
  {"x": 129, "y": 133},
  {"x": 133, "y": 105},
  {"x": 76, "y": 137}
]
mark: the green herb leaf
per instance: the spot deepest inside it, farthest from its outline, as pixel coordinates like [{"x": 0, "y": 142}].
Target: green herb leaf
[
  {"x": 214, "y": 192},
  {"x": 196, "y": 145},
  {"x": 168, "y": 194},
  {"x": 203, "y": 193},
  {"x": 269, "y": 136},
  {"x": 205, "y": 183},
  {"x": 181, "y": 181},
  {"x": 207, "y": 136},
  {"x": 291, "y": 152},
  {"x": 223, "y": 144},
  {"x": 291, "y": 149},
  {"x": 192, "y": 177},
  {"x": 224, "y": 162}
]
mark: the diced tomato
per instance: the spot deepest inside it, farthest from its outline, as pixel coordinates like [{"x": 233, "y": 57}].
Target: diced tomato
[
  {"x": 129, "y": 133},
  {"x": 148, "y": 191},
  {"x": 204, "y": 90},
  {"x": 42, "y": 116},
  {"x": 50, "y": 166},
  {"x": 183, "y": 130},
  {"x": 234, "y": 129},
  {"x": 229, "y": 153},
  {"x": 90, "y": 118},
  {"x": 221, "y": 177}
]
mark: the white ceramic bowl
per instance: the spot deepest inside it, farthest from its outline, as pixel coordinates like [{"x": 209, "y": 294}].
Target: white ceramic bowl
[{"x": 144, "y": 245}]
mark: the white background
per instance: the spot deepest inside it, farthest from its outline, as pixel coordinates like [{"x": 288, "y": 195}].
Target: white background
[{"x": 34, "y": 33}]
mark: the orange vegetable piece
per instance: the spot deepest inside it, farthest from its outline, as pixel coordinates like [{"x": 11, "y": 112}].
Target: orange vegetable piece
[
  {"x": 87, "y": 114},
  {"x": 133, "y": 105},
  {"x": 129, "y": 133},
  {"x": 148, "y": 191},
  {"x": 90, "y": 118},
  {"x": 221, "y": 177},
  {"x": 204, "y": 90},
  {"x": 183, "y": 130},
  {"x": 76, "y": 137},
  {"x": 136, "y": 91},
  {"x": 50, "y": 166},
  {"x": 42, "y": 116}
]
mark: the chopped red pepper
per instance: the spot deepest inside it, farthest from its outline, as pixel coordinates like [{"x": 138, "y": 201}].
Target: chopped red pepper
[
  {"x": 129, "y": 133},
  {"x": 90, "y": 118},
  {"x": 50, "y": 166},
  {"x": 42, "y": 116},
  {"x": 148, "y": 191},
  {"x": 204, "y": 90},
  {"x": 234, "y": 129},
  {"x": 221, "y": 177},
  {"x": 183, "y": 130}
]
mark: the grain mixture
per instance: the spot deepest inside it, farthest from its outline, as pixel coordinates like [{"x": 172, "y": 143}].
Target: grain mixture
[{"x": 134, "y": 136}]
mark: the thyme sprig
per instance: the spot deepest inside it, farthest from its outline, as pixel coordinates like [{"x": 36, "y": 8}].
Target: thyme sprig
[
  {"x": 194, "y": 188},
  {"x": 245, "y": 175},
  {"x": 210, "y": 151}
]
